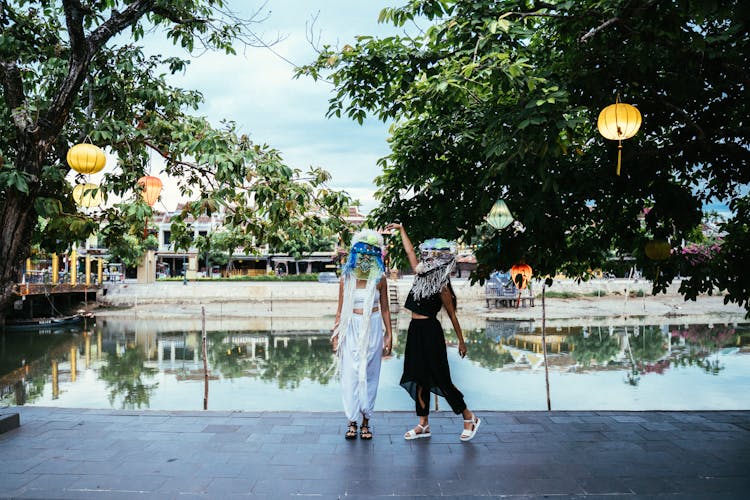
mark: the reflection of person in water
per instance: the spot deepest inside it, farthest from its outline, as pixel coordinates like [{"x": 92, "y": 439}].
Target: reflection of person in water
[
  {"x": 426, "y": 367},
  {"x": 362, "y": 314}
]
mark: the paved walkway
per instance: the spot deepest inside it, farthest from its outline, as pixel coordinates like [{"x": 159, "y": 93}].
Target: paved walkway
[{"x": 63, "y": 453}]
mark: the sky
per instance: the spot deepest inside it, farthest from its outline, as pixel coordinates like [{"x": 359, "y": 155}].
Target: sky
[{"x": 256, "y": 89}]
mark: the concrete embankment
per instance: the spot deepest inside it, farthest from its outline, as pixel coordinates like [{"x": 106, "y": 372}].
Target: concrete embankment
[
  {"x": 312, "y": 305},
  {"x": 206, "y": 292}
]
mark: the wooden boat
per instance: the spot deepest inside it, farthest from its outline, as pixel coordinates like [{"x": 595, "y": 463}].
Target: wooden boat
[{"x": 43, "y": 323}]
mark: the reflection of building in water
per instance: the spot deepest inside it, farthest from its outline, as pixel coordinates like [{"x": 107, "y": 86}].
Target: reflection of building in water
[
  {"x": 504, "y": 329},
  {"x": 251, "y": 342},
  {"x": 63, "y": 364},
  {"x": 533, "y": 342}
]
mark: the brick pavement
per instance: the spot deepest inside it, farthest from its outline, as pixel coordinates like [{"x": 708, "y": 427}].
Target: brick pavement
[{"x": 65, "y": 453}]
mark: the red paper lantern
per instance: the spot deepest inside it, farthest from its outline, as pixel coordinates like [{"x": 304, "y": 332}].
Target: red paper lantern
[{"x": 521, "y": 274}]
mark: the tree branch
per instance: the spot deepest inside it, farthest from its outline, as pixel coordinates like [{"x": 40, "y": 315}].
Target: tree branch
[
  {"x": 74, "y": 13},
  {"x": 688, "y": 119},
  {"x": 12, "y": 84},
  {"x": 594, "y": 31},
  {"x": 118, "y": 22},
  {"x": 82, "y": 51}
]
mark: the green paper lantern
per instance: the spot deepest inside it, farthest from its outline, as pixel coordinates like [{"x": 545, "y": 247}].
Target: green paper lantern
[{"x": 500, "y": 216}]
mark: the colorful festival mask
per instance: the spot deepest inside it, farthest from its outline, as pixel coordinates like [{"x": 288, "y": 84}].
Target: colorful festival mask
[
  {"x": 437, "y": 257},
  {"x": 365, "y": 258}
]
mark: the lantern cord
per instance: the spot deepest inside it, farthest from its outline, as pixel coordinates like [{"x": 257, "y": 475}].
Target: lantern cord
[{"x": 619, "y": 156}]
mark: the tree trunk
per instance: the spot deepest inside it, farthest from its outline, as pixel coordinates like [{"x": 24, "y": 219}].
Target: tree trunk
[{"x": 17, "y": 222}]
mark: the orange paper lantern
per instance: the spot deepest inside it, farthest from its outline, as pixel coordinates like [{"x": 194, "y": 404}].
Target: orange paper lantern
[
  {"x": 86, "y": 158},
  {"x": 521, "y": 274},
  {"x": 151, "y": 189}
]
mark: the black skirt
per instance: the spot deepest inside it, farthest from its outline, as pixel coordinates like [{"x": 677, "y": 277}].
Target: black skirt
[{"x": 426, "y": 366}]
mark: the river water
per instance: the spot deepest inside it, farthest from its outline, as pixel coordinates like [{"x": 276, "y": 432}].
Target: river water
[{"x": 125, "y": 364}]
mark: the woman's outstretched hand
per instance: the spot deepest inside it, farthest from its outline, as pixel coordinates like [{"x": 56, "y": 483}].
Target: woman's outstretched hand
[{"x": 394, "y": 226}]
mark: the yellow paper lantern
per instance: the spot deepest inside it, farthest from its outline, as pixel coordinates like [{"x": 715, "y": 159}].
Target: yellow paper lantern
[
  {"x": 151, "y": 189},
  {"x": 617, "y": 122},
  {"x": 658, "y": 250},
  {"x": 86, "y": 158},
  {"x": 88, "y": 195}
]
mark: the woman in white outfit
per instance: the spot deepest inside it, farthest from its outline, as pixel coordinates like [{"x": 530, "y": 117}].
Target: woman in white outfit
[{"x": 362, "y": 317}]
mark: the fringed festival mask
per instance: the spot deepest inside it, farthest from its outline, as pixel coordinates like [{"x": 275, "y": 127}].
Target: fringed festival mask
[
  {"x": 437, "y": 258},
  {"x": 435, "y": 253},
  {"x": 365, "y": 261}
]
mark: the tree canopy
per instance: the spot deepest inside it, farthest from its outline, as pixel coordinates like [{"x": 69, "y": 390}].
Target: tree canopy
[
  {"x": 73, "y": 71},
  {"x": 499, "y": 99}
]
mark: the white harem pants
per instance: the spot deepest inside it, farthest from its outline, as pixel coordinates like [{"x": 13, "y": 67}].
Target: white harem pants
[{"x": 359, "y": 397}]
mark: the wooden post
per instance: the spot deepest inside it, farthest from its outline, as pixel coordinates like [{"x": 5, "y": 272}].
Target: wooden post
[
  {"x": 544, "y": 345},
  {"x": 205, "y": 358}
]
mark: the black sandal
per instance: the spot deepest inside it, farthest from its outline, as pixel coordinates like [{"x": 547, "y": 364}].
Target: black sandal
[
  {"x": 365, "y": 434},
  {"x": 351, "y": 432}
]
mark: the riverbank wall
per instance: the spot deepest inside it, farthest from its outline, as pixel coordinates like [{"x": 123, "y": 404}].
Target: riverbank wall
[
  {"x": 206, "y": 292},
  {"x": 312, "y": 305}
]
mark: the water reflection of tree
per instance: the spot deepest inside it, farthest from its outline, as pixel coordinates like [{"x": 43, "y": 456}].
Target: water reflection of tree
[
  {"x": 648, "y": 344},
  {"x": 124, "y": 377},
  {"x": 302, "y": 358},
  {"x": 646, "y": 349},
  {"x": 230, "y": 359},
  {"x": 701, "y": 341},
  {"x": 484, "y": 350},
  {"x": 596, "y": 348}
]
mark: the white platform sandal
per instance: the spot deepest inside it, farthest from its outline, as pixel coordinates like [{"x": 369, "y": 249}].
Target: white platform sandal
[
  {"x": 468, "y": 434},
  {"x": 424, "y": 433}
]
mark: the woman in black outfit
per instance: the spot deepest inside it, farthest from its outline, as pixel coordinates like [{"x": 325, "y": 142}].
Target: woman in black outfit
[{"x": 426, "y": 367}]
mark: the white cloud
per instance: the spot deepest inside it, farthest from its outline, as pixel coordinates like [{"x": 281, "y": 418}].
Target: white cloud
[{"x": 256, "y": 89}]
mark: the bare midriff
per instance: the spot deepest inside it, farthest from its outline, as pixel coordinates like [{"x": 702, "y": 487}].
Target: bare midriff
[{"x": 361, "y": 311}]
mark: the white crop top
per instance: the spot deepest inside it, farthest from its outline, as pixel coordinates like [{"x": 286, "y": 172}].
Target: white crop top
[{"x": 360, "y": 294}]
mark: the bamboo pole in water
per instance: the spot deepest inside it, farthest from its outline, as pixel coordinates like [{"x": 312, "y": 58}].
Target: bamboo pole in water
[
  {"x": 205, "y": 358},
  {"x": 544, "y": 348}
]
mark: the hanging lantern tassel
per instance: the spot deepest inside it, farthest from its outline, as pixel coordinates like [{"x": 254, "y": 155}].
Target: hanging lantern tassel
[{"x": 617, "y": 122}]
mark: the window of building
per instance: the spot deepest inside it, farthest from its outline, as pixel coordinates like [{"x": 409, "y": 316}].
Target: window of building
[{"x": 167, "y": 237}]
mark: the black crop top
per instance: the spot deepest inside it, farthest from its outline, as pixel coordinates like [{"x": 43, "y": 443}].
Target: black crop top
[{"x": 427, "y": 306}]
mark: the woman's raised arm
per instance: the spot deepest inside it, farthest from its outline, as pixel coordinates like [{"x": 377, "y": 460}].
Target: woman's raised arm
[{"x": 408, "y": 247}]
